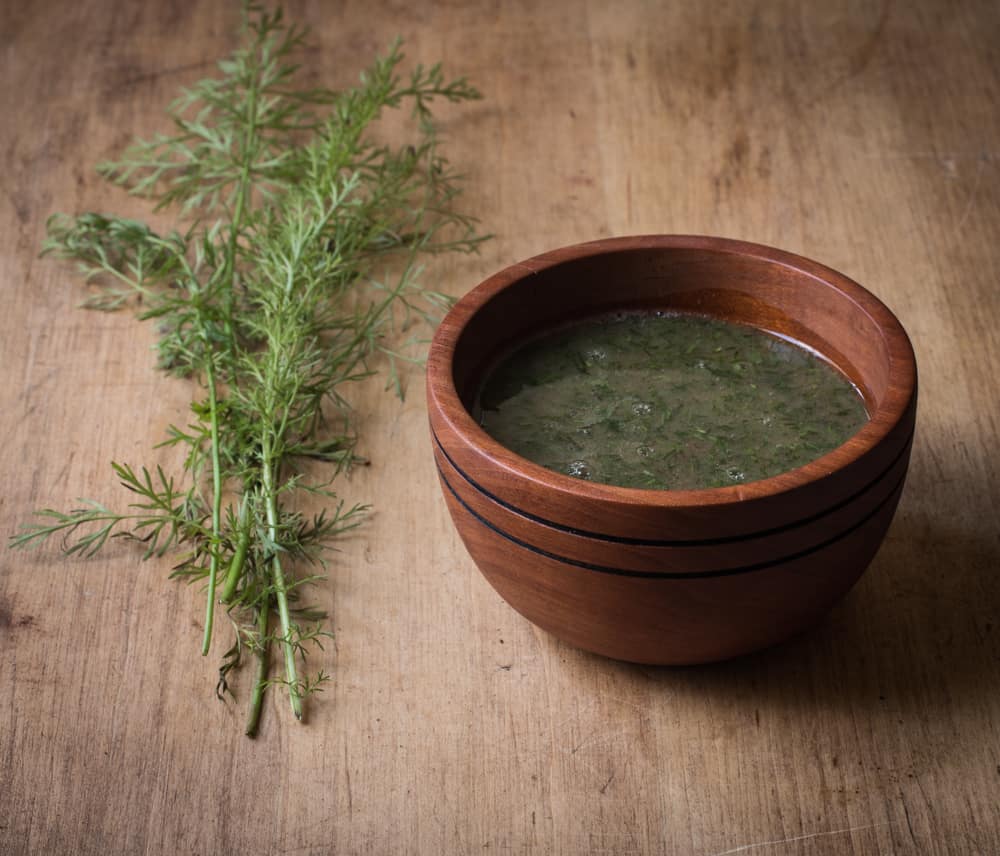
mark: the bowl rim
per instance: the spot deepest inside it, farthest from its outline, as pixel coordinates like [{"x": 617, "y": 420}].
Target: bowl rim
[{"x": 901, "y": 380}]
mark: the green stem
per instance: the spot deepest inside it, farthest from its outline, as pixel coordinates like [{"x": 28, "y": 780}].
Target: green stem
[
  {"x": 239, "y": 557},
  {"x": 213, "y": 567},
  {"x": 242, "y": 197},
  {"x": 235, "y": 226},
  {"x": 280, "y": 586},
  {"x": 263, "y": 655},
  {"x": 234, "y": 234}
]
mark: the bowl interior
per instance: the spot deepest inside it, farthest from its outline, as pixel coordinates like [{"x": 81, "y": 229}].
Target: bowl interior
[{"x": 805, "y": 302}]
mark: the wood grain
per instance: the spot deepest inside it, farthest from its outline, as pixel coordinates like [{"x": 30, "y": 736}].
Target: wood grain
[{"x": 862, "y": 135}]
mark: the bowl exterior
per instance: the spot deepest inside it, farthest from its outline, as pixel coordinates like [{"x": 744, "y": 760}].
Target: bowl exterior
[
  {"x": 674, "y": 603},
  {"x": 677, "y": 577}
]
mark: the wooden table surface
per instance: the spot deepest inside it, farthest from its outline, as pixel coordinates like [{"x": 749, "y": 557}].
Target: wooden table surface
[{"x": 864, "y": 135}]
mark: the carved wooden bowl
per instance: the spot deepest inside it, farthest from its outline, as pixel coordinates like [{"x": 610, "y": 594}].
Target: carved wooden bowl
[{"x": 683, "y": 576}]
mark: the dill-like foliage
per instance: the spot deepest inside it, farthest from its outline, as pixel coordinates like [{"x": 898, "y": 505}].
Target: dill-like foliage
[{"x": 271, "y": 295}]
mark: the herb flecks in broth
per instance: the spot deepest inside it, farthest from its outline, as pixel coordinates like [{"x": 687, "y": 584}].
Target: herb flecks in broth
[{"x": 669, "y": 402}]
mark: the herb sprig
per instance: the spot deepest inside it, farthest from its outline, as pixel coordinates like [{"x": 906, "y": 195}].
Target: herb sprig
[{"x": 297, "y": 262}]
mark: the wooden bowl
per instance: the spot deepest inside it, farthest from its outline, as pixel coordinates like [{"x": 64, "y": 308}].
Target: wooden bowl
[{"x": 683, "y": 576}]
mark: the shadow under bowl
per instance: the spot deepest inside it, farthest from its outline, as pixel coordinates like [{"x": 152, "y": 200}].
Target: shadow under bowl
[{"x": 687, "y": 576}]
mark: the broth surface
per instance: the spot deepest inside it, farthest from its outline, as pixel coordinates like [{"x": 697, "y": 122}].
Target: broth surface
[{"x": 668, "y": 402}]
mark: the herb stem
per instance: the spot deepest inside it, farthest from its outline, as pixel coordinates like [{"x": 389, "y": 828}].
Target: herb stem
[
  {"x": 213, "y": 566},
  {"x": 263, "y": 655},
  {"x": 239, "y": 556},
  {"x": 235, "y": 228},
  {"x": 280, "y": 585},
  {"x": 248, "y": 151}
]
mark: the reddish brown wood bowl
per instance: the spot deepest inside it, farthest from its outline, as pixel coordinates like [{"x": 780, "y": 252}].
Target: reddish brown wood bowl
[{"x": 673, "y": 576}]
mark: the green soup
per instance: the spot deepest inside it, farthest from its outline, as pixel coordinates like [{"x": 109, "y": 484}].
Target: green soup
[{"x": 669, "y": 402}]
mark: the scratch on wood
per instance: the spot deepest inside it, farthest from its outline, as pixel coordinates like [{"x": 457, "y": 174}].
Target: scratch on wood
[
  {"x": 909, "y": 825},
  {"x": 529, "y": 268},
  {"x": 604, "y": 787},
  {"x": 972, "y": 193},
  {"x": 347, "y": 771},
  {"x": 777, "y": 841},
  {"x": 863, "y": 57},
  {"x": 156, "y": 74},
  {"x": 942, "y": 156}
]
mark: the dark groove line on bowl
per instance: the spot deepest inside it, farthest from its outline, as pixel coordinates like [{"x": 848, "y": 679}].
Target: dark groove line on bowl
[
  {"x": 695, "y": 542},
  {"x": 675, "y": 575}
]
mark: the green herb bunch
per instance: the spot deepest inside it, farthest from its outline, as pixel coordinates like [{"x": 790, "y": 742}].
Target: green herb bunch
[{"x": 296, "y": 266}]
